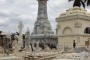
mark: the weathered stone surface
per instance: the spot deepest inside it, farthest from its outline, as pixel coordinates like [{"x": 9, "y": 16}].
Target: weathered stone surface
[
  {"x": 42, "y": 32},
  {"x": 72, "y": 25},
  {"x": 42, "y": 22},
  {"x": 20, "y": 40}
]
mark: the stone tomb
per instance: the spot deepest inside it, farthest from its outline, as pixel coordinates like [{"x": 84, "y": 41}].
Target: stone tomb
[{"x": 73, "y": 25}]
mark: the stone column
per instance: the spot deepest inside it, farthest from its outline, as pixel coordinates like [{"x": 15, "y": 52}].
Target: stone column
[
  {"x": 42, "y": 9},
  {"x": 42, "y": 19}
]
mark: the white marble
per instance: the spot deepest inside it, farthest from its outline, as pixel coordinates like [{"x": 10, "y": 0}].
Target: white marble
[
  {"x": 20, "y": 40},
  {"x": 83, "y": 55},
  {"x": 11, "y": 57}
]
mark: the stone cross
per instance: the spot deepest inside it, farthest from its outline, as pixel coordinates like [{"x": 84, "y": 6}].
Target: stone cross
[{"x": 20, "y": 40}]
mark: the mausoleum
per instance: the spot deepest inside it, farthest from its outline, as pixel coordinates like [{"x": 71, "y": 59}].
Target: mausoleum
[{"x": 74, "y": 24}]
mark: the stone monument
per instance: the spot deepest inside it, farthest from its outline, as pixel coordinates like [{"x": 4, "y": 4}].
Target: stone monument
[
  {"x": 27, "y": 40},
  {"x": 42, "y": 23},
  {"x": 42, "y": 19},
  {"x": 7, "y": 54},
  {"x": 73, "y": 25},
  {"x": 20, "y": 40}
]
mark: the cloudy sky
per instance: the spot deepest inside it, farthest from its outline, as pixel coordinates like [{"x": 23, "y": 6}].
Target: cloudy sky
[{"x": 12, "y": 11}]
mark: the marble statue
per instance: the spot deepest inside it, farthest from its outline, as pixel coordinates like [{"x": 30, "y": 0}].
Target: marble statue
[
  {"x": 20, "y": 40},
  {"x": 37, "y": 47},
  {"x": 27, "y": 40},
  {"x": 10, "y": 41}
]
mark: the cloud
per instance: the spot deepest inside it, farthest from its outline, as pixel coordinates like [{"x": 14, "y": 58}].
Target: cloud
[
  {"x": 2, "y": 2},
  {"x": 12, "y": 11}
]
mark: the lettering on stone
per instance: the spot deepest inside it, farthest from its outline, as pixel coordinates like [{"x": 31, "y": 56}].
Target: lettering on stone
[{"x": 76, "y": 16}]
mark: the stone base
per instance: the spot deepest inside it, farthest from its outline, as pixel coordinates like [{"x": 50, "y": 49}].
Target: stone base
[{"x": 9, "y": 58}]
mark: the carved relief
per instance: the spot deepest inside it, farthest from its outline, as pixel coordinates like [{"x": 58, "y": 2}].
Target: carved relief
[
  {"x": 78, "y": 39},
  {"x": 78, "y": 24},
  {"x": 67, "y": 30},
  {"x": 74, "y": 16}
]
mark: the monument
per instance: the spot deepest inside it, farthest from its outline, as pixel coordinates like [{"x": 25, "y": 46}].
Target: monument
[
  {"x": 73, "y": 28},
  {"x": 42, "y": 24},
  {"x": 20, "y": 40},
  {"x": 5, "y": 48},
  {"x": 42, "y": 19},
  {"x": 73, "y": 25},
  {"x": 27, "y": 40}
]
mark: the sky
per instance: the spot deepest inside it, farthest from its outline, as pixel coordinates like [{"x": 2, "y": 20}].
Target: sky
[{"x": 12, "y": 11}]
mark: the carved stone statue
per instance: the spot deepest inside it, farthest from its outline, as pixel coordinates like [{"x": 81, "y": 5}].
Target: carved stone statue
[
  {"x": 37, "y": 47},
  {"x": 27, "y": 40},
  {"x": 20, "y": 40}
]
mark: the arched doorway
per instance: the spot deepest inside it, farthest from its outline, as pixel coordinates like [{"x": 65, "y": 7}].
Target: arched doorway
[{"x": 87, "y": 30}]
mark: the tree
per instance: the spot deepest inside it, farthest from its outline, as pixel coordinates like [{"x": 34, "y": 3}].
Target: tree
[
  {"x": 87, "y": 1},
  {"x": 78, "y": 3}
]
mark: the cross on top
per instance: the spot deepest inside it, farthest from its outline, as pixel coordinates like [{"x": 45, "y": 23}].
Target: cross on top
[{"x": 20, "y": 26}]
